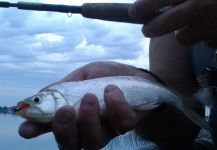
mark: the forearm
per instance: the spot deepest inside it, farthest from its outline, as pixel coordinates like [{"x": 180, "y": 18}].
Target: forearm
[
  {"x": 168, "y": 127},
  {"x": 169, "y": 60}
]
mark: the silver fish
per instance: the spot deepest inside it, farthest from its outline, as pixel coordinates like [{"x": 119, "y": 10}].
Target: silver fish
[{"x": 141, "y": 94}]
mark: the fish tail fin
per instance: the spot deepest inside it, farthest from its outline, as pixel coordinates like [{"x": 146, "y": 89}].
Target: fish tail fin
[{"x": 189, "y": 105}]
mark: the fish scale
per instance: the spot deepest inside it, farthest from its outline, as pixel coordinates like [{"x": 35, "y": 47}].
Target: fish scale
[
  {"x": 140, "y": 94},
  {"x": 135, "y": 90}
]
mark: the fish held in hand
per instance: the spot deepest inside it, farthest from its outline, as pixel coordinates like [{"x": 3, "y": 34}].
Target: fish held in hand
[{"x": 140, "y": 94}]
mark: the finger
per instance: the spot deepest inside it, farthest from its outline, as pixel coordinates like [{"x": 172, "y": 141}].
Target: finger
[
  {"x": 143, "y": 7},
  {"x": 64, "y": 128},
  {"x": 204, "y": 28},
  {"x": 195, "y": 33},
  {"x": 120, "y": 115},
  {"x": 188, "y": 36},
  {"x": 92, "y": 134},
  {"x": 30, "y": 129},
  {"x": 77, "y": 75},
  {"x": 173, "y": 19}
]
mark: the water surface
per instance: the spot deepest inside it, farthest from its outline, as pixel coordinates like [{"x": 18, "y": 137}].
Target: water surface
[{"x": 10, "y": 139}]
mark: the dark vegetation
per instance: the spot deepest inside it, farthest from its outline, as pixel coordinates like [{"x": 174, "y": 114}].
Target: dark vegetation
[{"x": 7, "y": 110}]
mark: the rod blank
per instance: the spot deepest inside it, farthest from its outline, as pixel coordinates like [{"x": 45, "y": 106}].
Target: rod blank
[{"x": 103, "y": 11}]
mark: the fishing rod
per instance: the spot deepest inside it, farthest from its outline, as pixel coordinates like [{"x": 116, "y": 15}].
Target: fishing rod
[{"x": 104, "y": 11}]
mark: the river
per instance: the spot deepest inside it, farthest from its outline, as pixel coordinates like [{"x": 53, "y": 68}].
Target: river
[{"x": 10, "y": 139}]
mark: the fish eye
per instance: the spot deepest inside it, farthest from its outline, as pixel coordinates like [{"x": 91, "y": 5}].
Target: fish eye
[{"x": 36, "y": 100}]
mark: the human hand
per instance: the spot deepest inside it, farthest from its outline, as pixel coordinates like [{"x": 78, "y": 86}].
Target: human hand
[
  {"x": 193, "y": 20},
  {"x": 89, "y": 131}
]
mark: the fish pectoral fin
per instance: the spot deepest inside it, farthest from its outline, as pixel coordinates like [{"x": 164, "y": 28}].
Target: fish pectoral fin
[{"x": 146, "y": 106}]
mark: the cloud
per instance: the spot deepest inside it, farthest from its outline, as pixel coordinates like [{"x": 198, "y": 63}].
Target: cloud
[
  {"x": 46, "y": 46},
  {"x": 39, "y": 48},
  {"x": 70, "y": 41}
]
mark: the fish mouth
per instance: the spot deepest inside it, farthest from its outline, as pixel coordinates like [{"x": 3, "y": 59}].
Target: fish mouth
[{"x": 21, "y": 106}]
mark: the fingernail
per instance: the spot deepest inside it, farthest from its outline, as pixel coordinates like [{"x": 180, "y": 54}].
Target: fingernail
[
  {"x": 88, "y": 100},
  {"x": 112, "y": 93},
  {"x": 110, "y": 89}
]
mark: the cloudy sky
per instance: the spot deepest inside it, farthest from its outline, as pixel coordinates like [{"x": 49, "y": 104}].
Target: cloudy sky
[{"x": 37, "y": 48}]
